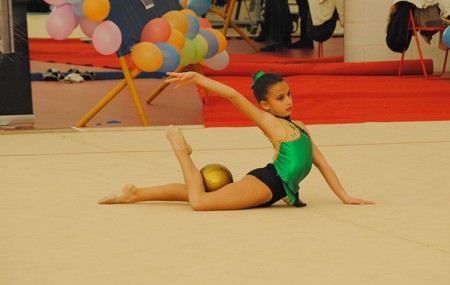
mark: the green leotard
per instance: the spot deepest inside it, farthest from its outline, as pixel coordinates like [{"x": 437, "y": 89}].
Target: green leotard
[{"x": 293, "y": 158}]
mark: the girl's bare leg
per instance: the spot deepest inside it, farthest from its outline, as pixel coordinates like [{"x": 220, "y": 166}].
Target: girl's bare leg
[
  {"x": 246, "y": 193},
  {"x": 132, "y": 194},
  {"x": 192, "y": 176},
  {"x": 168, "y": 192}
]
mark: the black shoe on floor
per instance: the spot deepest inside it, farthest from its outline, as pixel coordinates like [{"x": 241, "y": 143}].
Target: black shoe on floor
[
  {"x": 271, "y": 47},
  {"x": 52, "y": 74},
  {"x": 260, "y": 38},
  {"x": 302, "y": 44}
]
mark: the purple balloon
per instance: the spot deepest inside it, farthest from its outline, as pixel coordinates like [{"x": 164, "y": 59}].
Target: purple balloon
[
  {"x": 193, "y": 27},
  {"x": 213, "y": 43}
]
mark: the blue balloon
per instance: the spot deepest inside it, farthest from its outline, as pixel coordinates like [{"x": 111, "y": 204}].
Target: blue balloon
[
  {"x": 213, "y": 43},
  {"x": 446, "y": 37},
  {"x": 193, "y": 27},
  {"x": 171, "y": 57},
  {"x": 77, "y": 8},
  {"x": 200, "y": 7}
]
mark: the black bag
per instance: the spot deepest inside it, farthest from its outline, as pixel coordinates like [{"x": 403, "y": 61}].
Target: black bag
[
  {"x": 398, "y": 35},
  {"x": 324, "y": 31}
]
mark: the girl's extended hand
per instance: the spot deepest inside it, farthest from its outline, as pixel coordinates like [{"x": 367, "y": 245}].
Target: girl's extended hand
[
  {"x": 180, "y": 78},
  {"x": 357, "y": 201}
]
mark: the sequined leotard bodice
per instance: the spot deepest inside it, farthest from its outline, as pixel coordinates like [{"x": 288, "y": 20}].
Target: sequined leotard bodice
[{"x": 293, "y": 158}]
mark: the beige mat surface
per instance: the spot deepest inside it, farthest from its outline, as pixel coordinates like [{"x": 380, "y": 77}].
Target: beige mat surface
[{"x": 53, "y": 232}]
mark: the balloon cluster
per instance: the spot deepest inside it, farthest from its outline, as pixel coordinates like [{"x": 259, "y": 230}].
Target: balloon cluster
[
  {"x": 176, "y": 39},
  {"x": 90, "y": 15}
]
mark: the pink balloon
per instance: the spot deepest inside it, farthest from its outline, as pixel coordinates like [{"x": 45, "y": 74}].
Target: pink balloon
[
  {"x": 107, "y": 38},
  {"x": 156, "y": 31},
  {"x": 61, "y": 22},
  {"x": 203, "y": 23},
  {"x": 55, "y": 2},
  {"x": 87, "y": 26}
]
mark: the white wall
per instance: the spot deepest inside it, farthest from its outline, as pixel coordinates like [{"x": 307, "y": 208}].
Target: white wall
[{"x": 365, "y": 35}]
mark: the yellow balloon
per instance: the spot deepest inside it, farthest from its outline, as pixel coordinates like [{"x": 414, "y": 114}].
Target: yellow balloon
[
  {"x": 176, "y": 39},
  {"x": 189, "y": 12},
  {"x": 177, "y": 20},
  {"x": 96, "y": 10},
  {"x": 215, "y": 176},
  {"x": 147, "y": 56}
]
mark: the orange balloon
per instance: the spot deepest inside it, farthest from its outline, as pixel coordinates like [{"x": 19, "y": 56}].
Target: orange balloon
[
  {"x": 220, "y": 38},
  {"x": 177, "y": 20},
  {"x": 189, "y": 12},
  {"x": 96, "y": 10},
  {"x": 184, "y": 4},
  {"x": 147, "y": 56},
  {"x": 176, "y": 39}
]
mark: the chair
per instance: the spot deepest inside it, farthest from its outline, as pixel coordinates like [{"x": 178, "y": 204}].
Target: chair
[
  {"x": 320, "y": 50},
  {"x": 412, "y": 27},
  {"x": 226, "y": 13}
]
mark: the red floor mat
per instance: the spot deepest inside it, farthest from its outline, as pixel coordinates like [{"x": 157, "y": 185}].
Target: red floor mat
[
  {"x": 344, "y": 99},
  {"x": 75, "y": 51}
]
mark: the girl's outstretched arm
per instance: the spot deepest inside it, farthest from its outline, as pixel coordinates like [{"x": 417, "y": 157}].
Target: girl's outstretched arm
[
  {"x": 262, "y": 119},
  {"x": 184, "y": 78},
  {"x": 332, "y": 179}
]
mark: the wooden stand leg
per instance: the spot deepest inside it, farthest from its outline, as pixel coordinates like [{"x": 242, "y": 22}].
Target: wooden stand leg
[
  {"x": 130, "y": 83},
  {"x": 119, "y": 87},
  {"x": 160, "y": 88}
]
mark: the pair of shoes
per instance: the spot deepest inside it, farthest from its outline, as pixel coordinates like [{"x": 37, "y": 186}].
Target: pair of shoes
[
  {"x": 287, "y": 43},
  {"x": 87, "y": 75},
  {"x": 73, "y": 78},
  {"x": 271, "y": 47},
  {"x": 52, "y": 74},
  {"x": 302, "y": 44}
]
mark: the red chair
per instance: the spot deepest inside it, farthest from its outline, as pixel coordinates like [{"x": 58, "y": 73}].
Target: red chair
[
  {"x": 320, "y": 49},
  {"x": 412, "y": 27}
]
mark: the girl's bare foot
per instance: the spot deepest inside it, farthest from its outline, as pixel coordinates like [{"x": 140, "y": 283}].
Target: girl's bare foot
[
  {"x": 124, "y": 196},
  {"x": 177, "y": 140}
]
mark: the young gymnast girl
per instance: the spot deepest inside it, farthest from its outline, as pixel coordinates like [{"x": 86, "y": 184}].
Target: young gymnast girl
[{"x": 295, "y": 152}]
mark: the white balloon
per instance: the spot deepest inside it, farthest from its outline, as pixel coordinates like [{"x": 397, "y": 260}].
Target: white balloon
[{"x": 218, "y": 62}]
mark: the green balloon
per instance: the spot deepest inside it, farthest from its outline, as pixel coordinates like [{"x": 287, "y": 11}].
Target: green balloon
[
  {"x": 187, "y": 53},
  {"x": 201, "y": 47}
]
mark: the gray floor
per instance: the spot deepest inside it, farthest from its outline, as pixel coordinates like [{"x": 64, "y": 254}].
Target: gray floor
[{"x": 53, "y": 232}]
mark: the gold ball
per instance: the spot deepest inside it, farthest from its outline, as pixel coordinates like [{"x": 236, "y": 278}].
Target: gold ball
[{"x": 215, "y": 176}]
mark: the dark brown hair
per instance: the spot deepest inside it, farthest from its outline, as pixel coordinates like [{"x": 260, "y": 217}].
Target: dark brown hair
[{"x": 262, "y": 82}]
